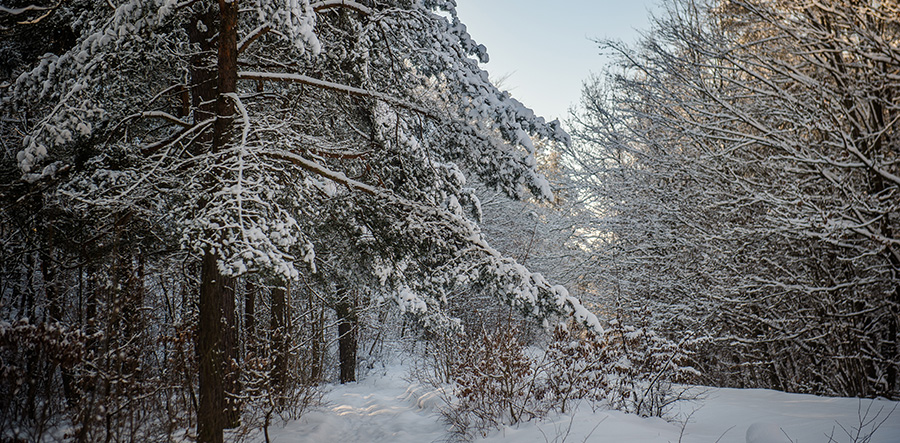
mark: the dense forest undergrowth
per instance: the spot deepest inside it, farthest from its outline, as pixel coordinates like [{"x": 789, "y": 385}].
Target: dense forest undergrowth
[{"x": 211, "y": 208}]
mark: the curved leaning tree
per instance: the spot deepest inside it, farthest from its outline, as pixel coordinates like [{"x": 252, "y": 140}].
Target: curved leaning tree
[{"x": 265, "y": 135}]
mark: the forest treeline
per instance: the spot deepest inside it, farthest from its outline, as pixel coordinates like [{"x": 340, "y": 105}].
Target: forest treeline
[
  {"x": 211, "y": 208},
  {"x": 745, "y": 157}
]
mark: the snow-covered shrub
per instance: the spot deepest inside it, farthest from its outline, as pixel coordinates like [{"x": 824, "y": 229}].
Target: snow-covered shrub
[
  {"x": 641, "y": 366},
  {"x": 629, "y": 369},
  {"x": 573, "y": 369},
  {"x": 264, "y": 402},
  {"x": 495, "y": 382},
  {"x": 496, "y": 378}
]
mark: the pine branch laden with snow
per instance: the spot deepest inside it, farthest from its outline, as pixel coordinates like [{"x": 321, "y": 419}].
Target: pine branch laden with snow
[{"x": 336, "y": 98}]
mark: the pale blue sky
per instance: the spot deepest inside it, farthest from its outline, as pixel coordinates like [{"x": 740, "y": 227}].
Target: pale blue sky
[{"x": 546, "y": 47}]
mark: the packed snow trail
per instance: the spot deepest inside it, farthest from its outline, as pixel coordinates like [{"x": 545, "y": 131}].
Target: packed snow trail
[
  {"x": 381, "y": 408},
  {"x": 385, "y": 408}
]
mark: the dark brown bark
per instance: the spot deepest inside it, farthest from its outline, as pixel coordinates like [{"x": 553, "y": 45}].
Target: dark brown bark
[
  {"x": 211, "y": 355},
  {"x": 210, "y": 422},
  {"x": 227, "y": 72},
  {"x": 348, "y": 327},
  {"x": 201, "y": 30},
  {"x": 215, "y": 347}
]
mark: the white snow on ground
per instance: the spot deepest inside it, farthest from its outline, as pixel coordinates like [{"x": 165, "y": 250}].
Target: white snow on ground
[
  {"x": 385, "y": 408},
  {"x": 381, "y": 408},
  {"x": 726, "y": 415}
]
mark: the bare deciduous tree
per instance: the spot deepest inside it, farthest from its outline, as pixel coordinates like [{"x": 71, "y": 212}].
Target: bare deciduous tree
[{"x": 744, "y": 161}]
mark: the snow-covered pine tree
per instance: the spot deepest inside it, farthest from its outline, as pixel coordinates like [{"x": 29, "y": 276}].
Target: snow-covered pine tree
[{"x": 238, "y": 130}]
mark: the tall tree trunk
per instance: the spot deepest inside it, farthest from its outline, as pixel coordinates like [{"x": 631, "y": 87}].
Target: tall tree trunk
[
  {"x": 212, "y": 417},
  {"x": 348, "y": 327},
  {"x": 211, "y": 355}
]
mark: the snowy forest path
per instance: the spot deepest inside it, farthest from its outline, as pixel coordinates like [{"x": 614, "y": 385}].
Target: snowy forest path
[{"x": 377, "y": 409}]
